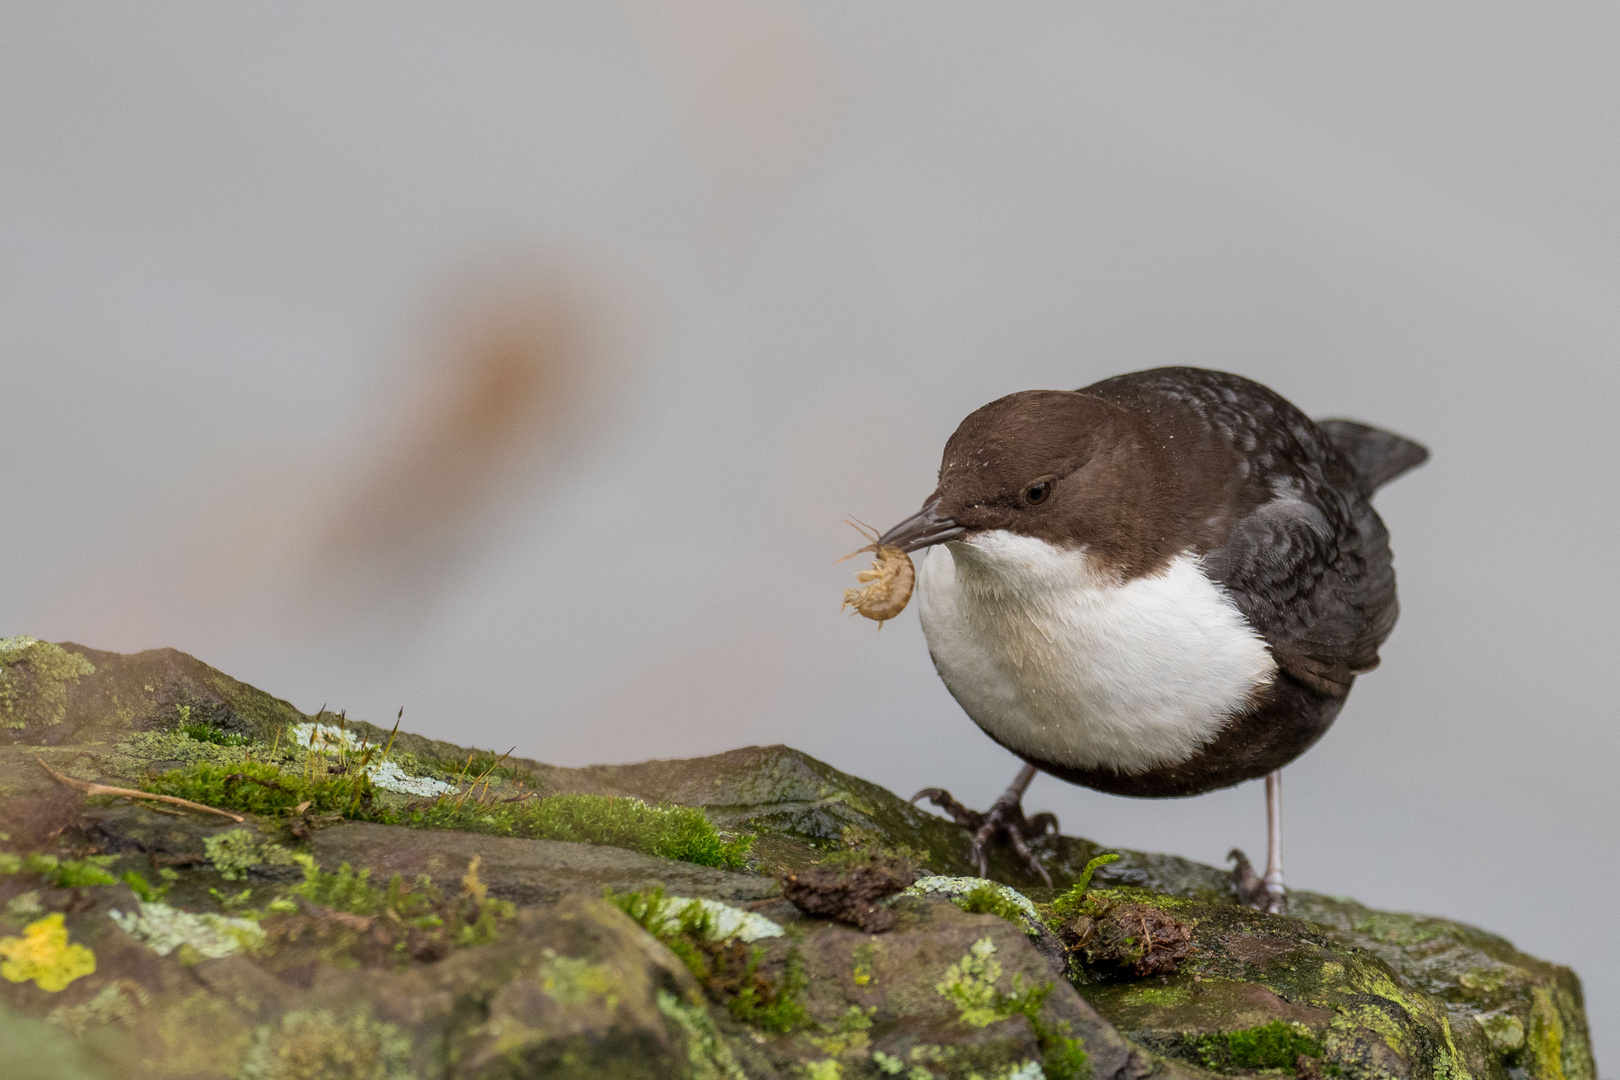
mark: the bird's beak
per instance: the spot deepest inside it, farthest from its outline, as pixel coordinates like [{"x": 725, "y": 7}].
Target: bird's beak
[{"x": 922, "y": 529}]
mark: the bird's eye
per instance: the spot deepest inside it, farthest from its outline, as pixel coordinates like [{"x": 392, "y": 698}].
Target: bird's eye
[{"x": 1038, "y": 492}]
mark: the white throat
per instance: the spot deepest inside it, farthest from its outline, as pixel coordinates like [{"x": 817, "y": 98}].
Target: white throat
[{"x": 1071, "y": 665}]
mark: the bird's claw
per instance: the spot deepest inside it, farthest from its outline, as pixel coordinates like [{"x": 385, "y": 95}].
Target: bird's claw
[
  {"x": 1003, "y": 822},
  {"x": 1251, "y": 887}
]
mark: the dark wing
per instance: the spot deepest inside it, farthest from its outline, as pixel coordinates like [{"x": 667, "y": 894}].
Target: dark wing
[
  {"x": 1304, "y": 555},
  {"x": 1321, "y": 592}
]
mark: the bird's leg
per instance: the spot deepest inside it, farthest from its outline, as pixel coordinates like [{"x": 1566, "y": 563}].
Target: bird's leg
[
  {"x": 1264, "y": 893},
  {"x": 1276, "y": 897},
  {"x": 1004, "y": 822}
]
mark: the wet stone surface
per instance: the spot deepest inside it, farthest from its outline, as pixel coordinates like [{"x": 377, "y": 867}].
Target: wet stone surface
[{"x": 455, "y": 914}]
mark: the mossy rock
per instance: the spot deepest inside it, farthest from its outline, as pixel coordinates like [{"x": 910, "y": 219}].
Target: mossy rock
[
  {"x": 568, "y": 985},
  {"x": 1359, "y": 993}
]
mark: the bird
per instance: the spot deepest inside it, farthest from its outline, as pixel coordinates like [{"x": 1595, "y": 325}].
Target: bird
[{"x": 1157, "y": 585}]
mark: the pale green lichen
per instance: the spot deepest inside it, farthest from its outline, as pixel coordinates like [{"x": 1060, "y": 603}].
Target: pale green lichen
[
  {"x": 43, "y": 697},
  {"x": 313, "y": 1044},
  {"x": 709, "y": 1057},
  {"x": 115, "y": 1003},
  {"x": 970, "y": 985},
  {"x": 235, "y": 851},
  {"x": 726, "y": 922},
  {"x": 165, "y": 929},
  {"x": 573, "y": 981},
  {"x": 1504, "y": 1031}
]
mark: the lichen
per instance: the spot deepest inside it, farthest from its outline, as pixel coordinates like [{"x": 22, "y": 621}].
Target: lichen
[
  {"x": 1546, "y": 1036},
  {"x": 1504, "y": 1031},
  {"x": 313, "y": 1044},
  {"x": 726, "y": 921},
  {"x": 970, "y": 985},
  {"x": 115, "y": 1003},
  {"x": 44, "y": 955},
  {"x": 709, "y": 1057},
  {"x": 573, "y": 981},
  {"x": 34, "y": 677},
  {"x": 237, "y": 850},
  {"x": 165, "y": 929}
]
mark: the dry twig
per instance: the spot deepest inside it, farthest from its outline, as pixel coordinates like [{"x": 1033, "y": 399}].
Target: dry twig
[{"x": 130, "y": 793}]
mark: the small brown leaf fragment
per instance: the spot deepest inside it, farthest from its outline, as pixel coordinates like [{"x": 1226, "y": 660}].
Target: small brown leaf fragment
[
  {"x": 849, "y": 893},
  {"x": 1135, "y": 938}
]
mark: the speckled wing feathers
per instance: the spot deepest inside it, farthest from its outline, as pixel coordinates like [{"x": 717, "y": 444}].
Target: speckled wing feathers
[{"x": 1304, "y": 556}]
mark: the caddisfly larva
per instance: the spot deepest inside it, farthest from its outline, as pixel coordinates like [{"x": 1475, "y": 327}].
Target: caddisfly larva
[{"x": 887, "y": 585}]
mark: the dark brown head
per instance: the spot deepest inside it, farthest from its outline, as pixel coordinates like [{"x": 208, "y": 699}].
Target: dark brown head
[{"x": 1061, "y": 466}]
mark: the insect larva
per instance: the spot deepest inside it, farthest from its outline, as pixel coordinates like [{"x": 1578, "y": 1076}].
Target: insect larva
[{"x": 887, "y": 585}]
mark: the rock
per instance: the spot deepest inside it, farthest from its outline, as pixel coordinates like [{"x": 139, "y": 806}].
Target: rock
[
  {"x": 525, "y": 871},
  {"x": 277, "y": 948}
]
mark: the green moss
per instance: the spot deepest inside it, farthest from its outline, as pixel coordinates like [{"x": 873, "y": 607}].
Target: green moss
[
  {"x": 208, "y": 733},
  {"x": 473, "y": 918},
  {"x": 1277, "y": 1045},
  {"x": 728, "y": 970},
  {"x": 1545, "y": 1040},
  {"x": 256, "y": 787},
  {"x": 313, "y": 1044},
  {"x": 34, "y": 677},
  {"x": 62, "y": 873},
  {"x": 669, "y": 832},
  {"x": 1075, "y": 901},
  {"x": 989, "y": 899}
]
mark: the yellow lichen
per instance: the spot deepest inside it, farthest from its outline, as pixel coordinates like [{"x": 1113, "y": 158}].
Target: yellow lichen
[{"x": 44, "y": 955}]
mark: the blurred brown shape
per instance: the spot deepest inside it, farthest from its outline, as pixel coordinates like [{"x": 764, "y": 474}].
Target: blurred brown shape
[{"x": 497, "y": 394}]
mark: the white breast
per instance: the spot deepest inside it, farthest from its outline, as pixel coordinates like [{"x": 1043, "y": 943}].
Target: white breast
[{"x": 1068, "y": 664}]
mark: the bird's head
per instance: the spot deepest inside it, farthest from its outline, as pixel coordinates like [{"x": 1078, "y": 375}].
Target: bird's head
[{"x": 1060, "y": 466}]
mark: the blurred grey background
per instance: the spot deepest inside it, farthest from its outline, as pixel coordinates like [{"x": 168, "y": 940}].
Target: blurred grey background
[{"x": 517, "y": 363}]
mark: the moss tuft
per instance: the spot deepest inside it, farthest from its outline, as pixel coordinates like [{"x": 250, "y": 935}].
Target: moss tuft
[
  {"x": 1075, "y": 901},
  {"x": 729, "y": 970},
  {"x": 990, "y": 899},
  {"x": 256, "y": 787},
  {"x": 62, "y": 873},
  {"x": 1277, "y": 1045}
]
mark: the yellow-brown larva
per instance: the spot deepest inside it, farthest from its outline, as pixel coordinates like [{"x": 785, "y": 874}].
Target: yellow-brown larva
[{"x": 888, "y": 585}]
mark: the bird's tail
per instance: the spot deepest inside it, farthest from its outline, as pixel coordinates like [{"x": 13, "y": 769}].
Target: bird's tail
[{"x": 1378, "y": 456}]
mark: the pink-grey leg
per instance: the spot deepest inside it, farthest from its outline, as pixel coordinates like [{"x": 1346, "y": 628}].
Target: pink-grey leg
[{"x": 1264, "y": 893}]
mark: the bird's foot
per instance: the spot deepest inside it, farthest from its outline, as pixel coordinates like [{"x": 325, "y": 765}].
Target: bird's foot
[
  {"x": 1003, "y": 823},
  {"x": 1253, "y": 890}
]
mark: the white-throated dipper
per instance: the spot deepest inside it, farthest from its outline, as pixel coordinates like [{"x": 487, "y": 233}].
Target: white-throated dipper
[{"x": 1157, "y": 585}]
